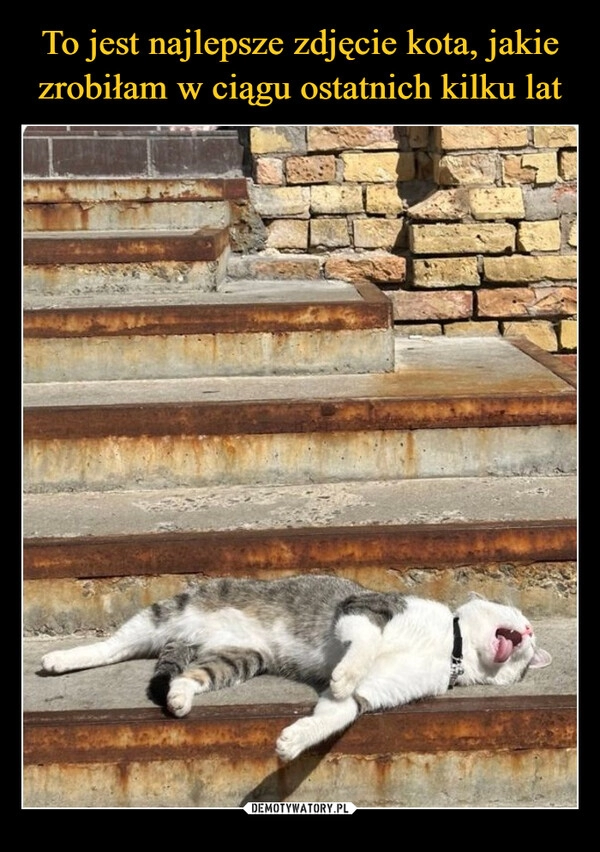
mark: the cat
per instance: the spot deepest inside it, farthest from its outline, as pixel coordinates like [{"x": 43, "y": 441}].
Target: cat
[{"x": 366, "y": 650}]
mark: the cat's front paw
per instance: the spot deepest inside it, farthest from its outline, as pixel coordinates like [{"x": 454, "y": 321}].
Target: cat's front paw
[
  {"x": 56, "y": 662},
  {"x": 292, "y": 740},
  {"x": 181, "y": 696}
]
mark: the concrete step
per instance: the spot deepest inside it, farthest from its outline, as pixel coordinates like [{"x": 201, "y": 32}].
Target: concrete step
[
  {"x": 92, "y": 739},
  {"x": 242, "y": 328},
  {"x": 129, "y": 204},
  {"x": 451, "y": 408},
  {"x": 124, "y": 214},
  {"x": 126, "y": 235},
  {"x": 75, "y": 262},
  {"x": 132, "y": 246},
  {"x": 91, "y": 560}
]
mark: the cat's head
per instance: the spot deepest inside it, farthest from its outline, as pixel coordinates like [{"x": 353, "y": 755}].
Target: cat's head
[{"x": 498, "y": 643}]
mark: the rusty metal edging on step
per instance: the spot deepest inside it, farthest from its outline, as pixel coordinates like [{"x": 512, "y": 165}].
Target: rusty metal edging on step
[
  {"x": 234, "y": 318},
  {"x": 56, "y": 190},
  {"x": 296, "y": 416},
  {"x": 315, "y": 549},
  {"x": 372, "y": 310},
  {"x": 510, "y": 723},
  {"x": 123, "y": 247}
]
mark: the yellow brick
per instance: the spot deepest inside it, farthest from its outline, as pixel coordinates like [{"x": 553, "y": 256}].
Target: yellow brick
[
  {"x": 555, "y": 136},
  {"x": 384, "y": 199},
  {"x": 329, "y": 233},
  {"x": 539, "y": 236},
  {"x": 338, "y": 138},
  {"x": 443, "y": 205},
  {"x": 288, "y": 234},
  {"x": 544, "y": 166},
  {"x": 568, "y": 334},
  {"x": 541, "y": 333},
  {"x": 464, "y": 137},
  {"x": 497, "y": 203},
  {"x": 377, "y": 233},
  {"x": 465, "y": 169},
  {"x": 446, "y": 272},
  {"x": 378, "y": 167},
  {"x": 330, "y": 198},
  {"x": 568, "y": 165},
  {"x": 268, "y": 140},
  {"x": 513, "y": 171},
  {"x": 462, "y": 239},
  {"x": 520, "y": 269},
  {"x": 284, "y": 201}
]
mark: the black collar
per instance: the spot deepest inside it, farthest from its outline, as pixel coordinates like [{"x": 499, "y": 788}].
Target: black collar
[{"x": 456, "y": 667}]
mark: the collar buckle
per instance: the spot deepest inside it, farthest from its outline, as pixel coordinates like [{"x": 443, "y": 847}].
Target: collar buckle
[
  {"x": 456, "y": 664},
  {"x": 456, "y": 670}
]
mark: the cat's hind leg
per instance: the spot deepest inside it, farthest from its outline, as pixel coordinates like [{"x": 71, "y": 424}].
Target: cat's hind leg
[
  {"x": 363, "y": 638},
  {"x": 360, "y": 621},
  {"x": 329, "y": 717},
  {"x": 183, "y": 671},
  {"x": 133, "y": 640}
]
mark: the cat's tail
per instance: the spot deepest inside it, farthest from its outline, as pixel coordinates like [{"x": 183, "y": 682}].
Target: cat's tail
[{"x": 173, "y": 659}]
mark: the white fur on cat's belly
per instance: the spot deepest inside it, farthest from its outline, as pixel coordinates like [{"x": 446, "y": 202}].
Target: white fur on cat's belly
[
  {"x": 329, "y": 717},
  {"x": 230, "y": 627},
  {"x": 224, "y": 628}
]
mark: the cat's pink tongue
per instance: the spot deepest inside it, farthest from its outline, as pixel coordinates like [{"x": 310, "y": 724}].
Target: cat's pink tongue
[{"x": 504, "y": 649}]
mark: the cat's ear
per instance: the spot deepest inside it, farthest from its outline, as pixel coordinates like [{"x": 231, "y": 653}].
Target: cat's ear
[
  {"x": 475, "y": 596},
  {"x": 541, "y": 659}
]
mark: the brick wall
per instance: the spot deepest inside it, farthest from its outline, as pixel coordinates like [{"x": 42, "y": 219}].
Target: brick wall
[{"x": 471, "y": 230}]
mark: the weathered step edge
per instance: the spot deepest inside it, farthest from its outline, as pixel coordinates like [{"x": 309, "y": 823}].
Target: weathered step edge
[
  {"x": 265, "y": 417},
  {"x": 246, "y": 731},
  {"x": 143, "y": 190},
  {"x": 62, "y": 247},
  {"x": 372, "y": 310},
  {"x": 323, "y": 549}
]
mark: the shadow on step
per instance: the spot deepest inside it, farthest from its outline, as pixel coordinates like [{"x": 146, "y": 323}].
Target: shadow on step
[{"x": 279, "y": 785}]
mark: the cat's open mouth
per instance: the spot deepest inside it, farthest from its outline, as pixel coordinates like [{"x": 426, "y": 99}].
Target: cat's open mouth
[{"x": 507, "y": 642}]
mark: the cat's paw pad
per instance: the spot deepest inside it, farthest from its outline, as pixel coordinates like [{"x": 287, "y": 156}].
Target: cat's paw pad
[
  {"x": 343, "y": 682},
  {"x": 292, "y": 741},
  {"x": 180, "y": 697},
  {"x": 56, "y": 662}
]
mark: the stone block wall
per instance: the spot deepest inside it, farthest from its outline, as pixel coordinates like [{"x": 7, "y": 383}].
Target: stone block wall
[{"x": 472, "y": 230}]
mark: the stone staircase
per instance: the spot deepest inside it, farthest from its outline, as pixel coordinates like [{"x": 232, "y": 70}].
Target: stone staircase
[{"x": 184, "y": 418}]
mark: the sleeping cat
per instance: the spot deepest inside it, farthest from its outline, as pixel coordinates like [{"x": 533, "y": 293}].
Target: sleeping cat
[{"x": 367, "y": 650}]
